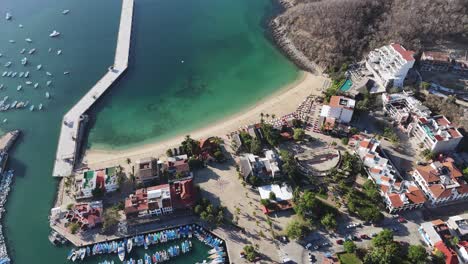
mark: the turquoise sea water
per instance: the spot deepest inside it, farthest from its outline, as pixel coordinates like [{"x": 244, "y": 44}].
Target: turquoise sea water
[{"x": 228, "y": 64}]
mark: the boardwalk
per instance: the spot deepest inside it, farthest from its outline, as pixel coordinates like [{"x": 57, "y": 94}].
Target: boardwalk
[{"x": 72, "y": 125}]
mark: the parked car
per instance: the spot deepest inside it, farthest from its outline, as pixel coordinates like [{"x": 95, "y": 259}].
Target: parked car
[
  {"x": 401, "y": 220},
  {"x": 364, "y": 236},
  {"x": 394, "y": 229},
  {"x": 373, "y": 235},
  {"x": 340, "y": 241},
  {"x": 308, "y": 246},
  {"x": 326, "y": 244}
]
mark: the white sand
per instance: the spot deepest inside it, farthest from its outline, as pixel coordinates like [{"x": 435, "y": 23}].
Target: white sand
[{"x": 283, "y": 102}]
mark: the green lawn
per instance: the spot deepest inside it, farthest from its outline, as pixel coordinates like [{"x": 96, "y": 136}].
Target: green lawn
[{"x": 348, "y": 258}]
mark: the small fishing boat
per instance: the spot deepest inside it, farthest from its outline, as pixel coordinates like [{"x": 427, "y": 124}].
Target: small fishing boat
[
  {"x": 31, "y": 108},
  {"x": 26, "y": 75},
  {"x": 20, "y": 25},
  {"x": 49, "y": 74},
  {"x": 38, "y": 67},
  {"x": 24, "y": 61},
  {"x": 28, "y": 82},
  {"x": 19, "y": 87},
  {"x": 13, "y": 105},
  {"x": 11, "y": 41},
  {"x": 28, "y": 40},
  {"x": 121, "y": 251},
  {"x": 22, "y": 51},
  {"x": 31, "y": 51},
  {"x": 36, "y": 85},
  {"x": 47, "y": 95},
  {"x": 59, "y": 52},
  {"x": 14, "y": 75},
  {"x": 9, "y": 74},
  {"x": 1, "y": 55},
  {"x": 66, "y": 73},
  {"x": 21, "y": 74},
  {"x": 50, "y": 49},
  {"x": 48, "y": 83},
  {"x": 1, "y": 86},
  {"x": 54, "y": 34},
  {"x": 7, "y": 64},
  {"x": 66, "y": 11},
  {"x": 8, "y": 16},
  {"x": 40, "y": 108},
  {"x": 129, "y": 245},
  {"x": 5, "y": 120},
  {"x": 4, "y": 73}
]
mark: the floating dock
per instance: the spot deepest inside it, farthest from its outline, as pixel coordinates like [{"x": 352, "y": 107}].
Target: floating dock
[{"x": 74, "y": 120}]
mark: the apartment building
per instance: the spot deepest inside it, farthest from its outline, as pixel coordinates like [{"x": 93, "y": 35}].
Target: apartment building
[
  {"x": 441, "y": 182},
  {"x": 390, "y": 64},
  {"x": 397, "y": 194}
]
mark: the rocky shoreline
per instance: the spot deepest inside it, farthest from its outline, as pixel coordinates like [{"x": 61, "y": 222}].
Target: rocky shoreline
[{"x": 281, "y": 39}]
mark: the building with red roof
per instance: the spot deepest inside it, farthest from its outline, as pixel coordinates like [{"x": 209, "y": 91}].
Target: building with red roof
[
  {"x": 441, "y": 182},
  {"x": 398, "y": 195},
  {"x": 340, "y": 110},
  {"x": 87, "y": 215},
  {"x": 390, "y": 64},
  {"x": 450, "y": 255}
]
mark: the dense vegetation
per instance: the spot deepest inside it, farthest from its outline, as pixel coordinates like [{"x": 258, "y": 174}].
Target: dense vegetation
[{"x": 332, "y": 32}]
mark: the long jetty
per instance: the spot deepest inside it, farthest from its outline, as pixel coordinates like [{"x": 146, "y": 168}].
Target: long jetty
[{"x": 74, "y": 120}]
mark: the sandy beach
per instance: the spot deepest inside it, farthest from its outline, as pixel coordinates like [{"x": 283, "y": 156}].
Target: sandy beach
[{"x": 283, "y": 102}]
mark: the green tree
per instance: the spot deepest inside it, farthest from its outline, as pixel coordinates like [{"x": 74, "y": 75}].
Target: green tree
[
  {"x": 250, "y": 253},
  {"x": 74, "y": 227},
  {"x": 438, "y": 258},
  {"x": 329, "y": 221},
  {"x": 169, "y": 153},
  {"x": 417, "y": 254},
  {"x": 190, "y": 146},
  {"x": 111, "y": 218},
  {"x": 349, "y": 246},
  {"x": 307, "y": 204},
  {"x": 256, "y": 146},
  {"x": 383, "y": 238},
  {"x": 345, "y": 141},
  {"x": 271, "y": 134},
  {"x": 219, "y": 156},
  {"x": 290, "y": 167},
  {"x": 272, "y": 196},
  {"x": 295, "y": 229},
  {"x": 299, "y": 134}
]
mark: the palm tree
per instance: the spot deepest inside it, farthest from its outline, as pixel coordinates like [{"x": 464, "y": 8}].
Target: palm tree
[
  {"x": 273, "y": 116},
  {"x": 261, "y": 114},
  {"x": 267, "y": 115}
]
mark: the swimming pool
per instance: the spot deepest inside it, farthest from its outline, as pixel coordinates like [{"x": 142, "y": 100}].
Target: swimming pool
[{"x": 346, "y": 85}]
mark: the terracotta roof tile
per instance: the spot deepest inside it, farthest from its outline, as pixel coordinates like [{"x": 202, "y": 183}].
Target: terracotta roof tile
[{"x": 395, "y": 200}]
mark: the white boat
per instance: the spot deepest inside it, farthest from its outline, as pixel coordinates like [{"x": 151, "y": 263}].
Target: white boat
[
  {"x": 48, "y": 83},
  {"x": 47, "y": 95},
  {"x": 20, "y": 25},
  {"x": 1, "y": 55},
  {"x": 59, "y": 52},
  {"x": 24, "y": 61},
  {"x": 14, "y": 75},
  {"x": 1, "y": 86},
  {"x": 8, "y": 64},
  {"x": 28, "y": 40},
  {"x": 54, "y": 34},
  {"x": 9, "y": 74},
  {"x": 31, "y": 108},
  {"x": 66, "y": 11},
  {"x": 129, "y": 245},
  {"x": 66, "y": 73},
  {"x": 4, "y": 73},
  {"x": 50, "y": 49},
  {"x": 28, "y": 82},
  {"x": 40, "y": 107},
  {"x": 36, "y": 85},
  {"x": 19, "y": 88},
  {"x": 11, "y": 41},
  {"x": 5, "y": 120},
  {"x": 38, "y": 67},
  {"x": 8, "y": 16},
  {"x": 13, "y": 105},
  {"x": 121, "y": 252},
  {"x": 22, "y": 51},
  {"x": 21, "y": 74},
  {"x": 31, "y": 51},
  {"x": 48, "y": 74},
  {"x": 26, "y": 75}
]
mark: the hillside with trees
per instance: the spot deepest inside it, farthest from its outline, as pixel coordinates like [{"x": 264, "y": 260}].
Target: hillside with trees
[{"x": 332, "y": 32}]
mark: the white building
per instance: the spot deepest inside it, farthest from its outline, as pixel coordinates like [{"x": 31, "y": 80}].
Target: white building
[
  {"x": 250, "y": 164},
  {"x": 340, "y": 109},
  {"x": 398, "y": 195},
  {"x": 282, "y": 192},
  {"x": 436, "y": 133},
  {"x": 429, "y": 233},
  {"x": 390, "y": 64},
  {"x": 441, "y": 182},
  {"x": 458, "y": 225},
  {"x": 104, "y": 179}
]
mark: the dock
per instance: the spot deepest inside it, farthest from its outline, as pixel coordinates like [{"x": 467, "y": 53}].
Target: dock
[{"x": 72, "y": 127}]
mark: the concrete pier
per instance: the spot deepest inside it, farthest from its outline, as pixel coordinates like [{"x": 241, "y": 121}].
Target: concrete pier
[{"x": 73, "y": 121}]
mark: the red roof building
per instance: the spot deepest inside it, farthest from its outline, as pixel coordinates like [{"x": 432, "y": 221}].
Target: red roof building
[
  {"x": 450, "y": 255},
  {"x": 87, "y": 215}
]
